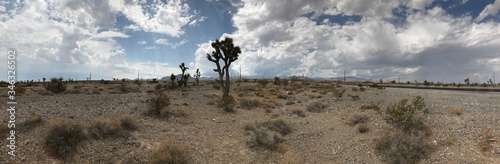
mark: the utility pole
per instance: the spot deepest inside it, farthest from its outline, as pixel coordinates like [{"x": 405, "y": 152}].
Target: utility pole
[
  {"x": 240, "y": 72},
  {"x": 344, "y": 75},
  {"x": 494, "y": 78},
  {"x": 138, "y": 75}
]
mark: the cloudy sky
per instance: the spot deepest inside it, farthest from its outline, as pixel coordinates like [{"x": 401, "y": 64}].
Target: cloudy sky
[{"x": 442, "y": 40}]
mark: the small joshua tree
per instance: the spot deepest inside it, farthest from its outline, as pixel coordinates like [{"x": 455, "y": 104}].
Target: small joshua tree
[
  {"x": 467, "y": 81},
  {"x": 197, "y": 75},
  {"x": 183, "y": 69},
  {"x": 186, "y": 77},
  {"x": 277, "y": 81},
  {"x": 229, "y": 53},
  {"x": 172, "y": 78}
]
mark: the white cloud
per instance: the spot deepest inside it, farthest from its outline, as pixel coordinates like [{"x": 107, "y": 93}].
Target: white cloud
[
  {"x": 431, "y": 44},
  {"x": 142, "y": 42},
  {"x": 165, "y": 42},
  {"x": 167, "y": 18},
  {"x": 491, "y": 9},
  {"x": 56, "y": 35}
]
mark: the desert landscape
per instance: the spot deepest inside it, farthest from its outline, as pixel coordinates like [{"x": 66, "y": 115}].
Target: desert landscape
[{"x": 296, "y": 122}]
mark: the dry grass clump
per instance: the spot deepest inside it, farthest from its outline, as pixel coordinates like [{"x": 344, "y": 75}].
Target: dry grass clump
[
  {"x": 270, "y": 103},
  {"x": 369, "y": 106},
  {"x": 358, "y": 118},
  {"x": 32, "y": 121},
  {"x": 456, "y": 111},
  {"x": 484, "y": 143},
  {"x": 63, "y": 138},
  {"x": 399, "y": 147},
  {"x": 171, "y": 153},
  {"x": 227, "y": 103},
  {"x": 316, "y": 107},
  {"x": 298, "y": 111},
  {"x": 363, "y": 128},
  {"x": 103, "y": 128},
  {"x": 268, "y": 134},
  {"x": 249, "y": 103},
  {"x": 128, "y": 122}
]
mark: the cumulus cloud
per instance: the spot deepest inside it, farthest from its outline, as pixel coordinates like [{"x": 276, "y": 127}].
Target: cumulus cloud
[
  {"x": 82, "y": 33},
  {"x": 278, "y": 39},
  {"x": 167, "y": 18},
  {"x": 489, "y": 10},
  {"x": 165, "y": 42}
]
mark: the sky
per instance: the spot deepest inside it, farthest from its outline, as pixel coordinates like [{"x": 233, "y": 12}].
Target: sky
[{"x": 407, "y": 40}]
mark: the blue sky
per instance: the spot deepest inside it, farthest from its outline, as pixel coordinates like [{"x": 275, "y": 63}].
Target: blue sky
[{"x": 442, "y": 40}]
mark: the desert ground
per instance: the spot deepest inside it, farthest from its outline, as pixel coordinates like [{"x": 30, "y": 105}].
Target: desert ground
[{"x": 463, "y": 126}]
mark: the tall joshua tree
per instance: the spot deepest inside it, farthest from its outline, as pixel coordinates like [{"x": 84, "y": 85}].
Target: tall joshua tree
[
  {"x": 197, "y": 76},
  {"x": 183, "y": 69},
  {"x": 229, "y": 53}
]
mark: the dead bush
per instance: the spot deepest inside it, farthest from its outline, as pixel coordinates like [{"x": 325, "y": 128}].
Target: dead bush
[
  {"x": 227, "y": 103},
  {"x": 398, "y": 147},
  {"x": 268, "y": 134},
  {"x": 363, "y": 128},
  {"x": 298, "y": 111},
  {"x": 128, "y": 122},
  {"x": 316, "y": 107},
  {"x": 157, "y": 103},
  {"x": 358, "y": 118},
  {"x": 171, "y": 153},
  {"x": 249, "y": 103},
  {"x": 456, "y": 111},
  {"x": 103, "y": 128},
  {"x": 63, "y": 138}
]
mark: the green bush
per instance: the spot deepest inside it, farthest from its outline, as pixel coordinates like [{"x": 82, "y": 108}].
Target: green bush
[
  {"x": 56, "y": 85},
  {"x": 403, "y": 115}
]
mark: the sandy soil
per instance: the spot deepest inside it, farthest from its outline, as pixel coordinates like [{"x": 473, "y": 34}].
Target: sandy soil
[{"x": 214, "y": 136}]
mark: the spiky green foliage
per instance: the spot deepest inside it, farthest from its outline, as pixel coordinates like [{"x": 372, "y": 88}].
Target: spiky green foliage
[
  {"x": 401, "y": 115},
  {"x": 228, "y": 53}
]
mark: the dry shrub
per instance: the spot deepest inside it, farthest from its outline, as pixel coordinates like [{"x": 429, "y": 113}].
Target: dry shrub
[
  {"x": 270, "y": 103},
  {"x": 456, "y": 111},
  {"x": 171, "y": 153},
  {"x": 227, "y": 103},
  {"x": 398, "y": 147},
  {"x": 483, "y": 145},
  {"x": 32, "y": 121},
  {"x": 316, "y": 107},
  {"x": 103, "y": 128},
  {"x": 363, "y": 128},
  {"x": 290, "y": 158},
  {"x": 128, "y": 122},
  {"x": 63, "y": 138},
  {"x": 369, "y": 106},
  {"x": 157, "y": 103},
  {"x": 357, "y": 119},
  {"x": 488, "y": 134},
  {"x": 298, "y": 111},
  {"x": 249, "y": 103},
  {"x": 268, "y": 134}
]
